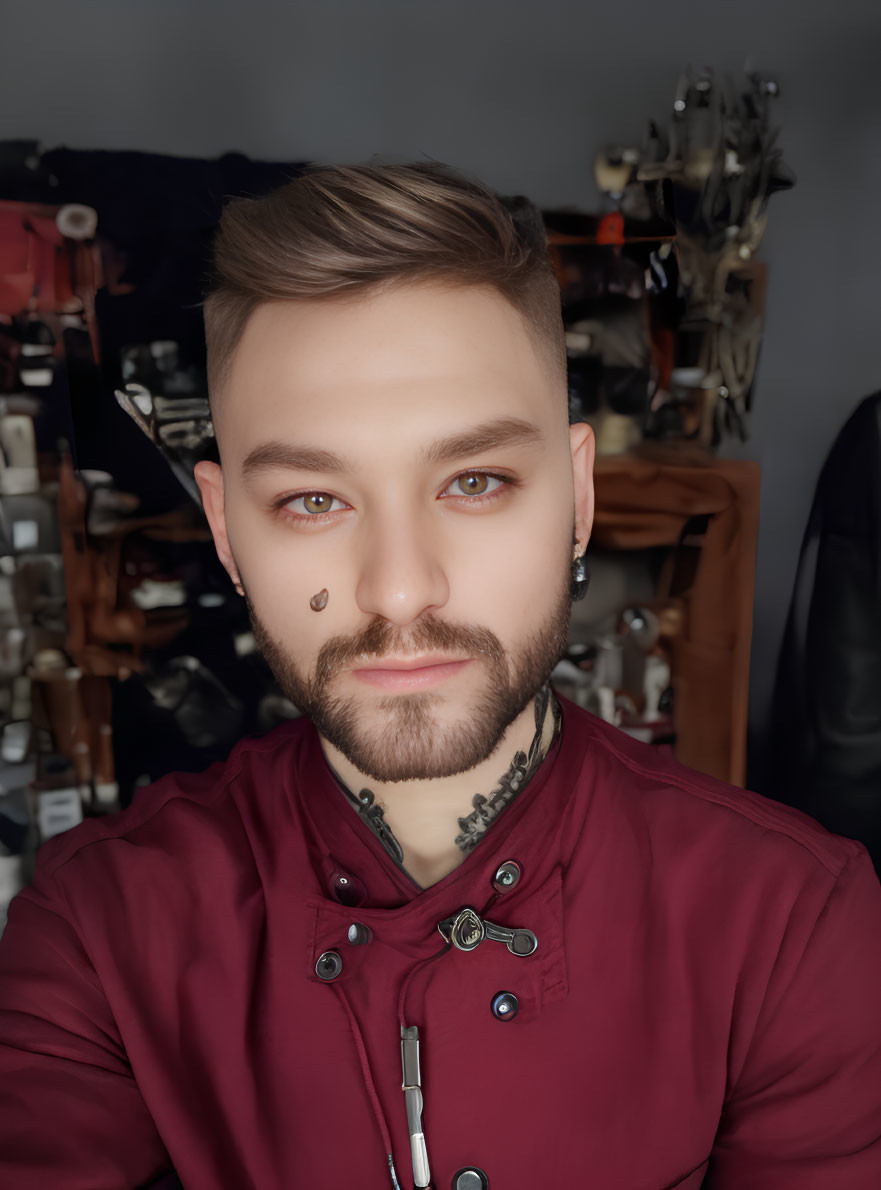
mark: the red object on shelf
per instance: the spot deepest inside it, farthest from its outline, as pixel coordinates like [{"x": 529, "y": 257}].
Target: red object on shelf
[
  {"x": 44, "y": 272},
  {"x": 611, "y": 229}
]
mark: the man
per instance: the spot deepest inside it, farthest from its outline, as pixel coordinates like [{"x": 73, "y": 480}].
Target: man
[{"x": 621, "y": 973}]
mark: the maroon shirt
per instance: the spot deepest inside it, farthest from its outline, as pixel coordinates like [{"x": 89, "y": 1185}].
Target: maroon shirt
[{"x": 704, "y": 1006}]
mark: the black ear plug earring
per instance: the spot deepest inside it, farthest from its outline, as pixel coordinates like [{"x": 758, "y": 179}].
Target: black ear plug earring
[
  {"x": 580, "y": 577},
  {"x": 319, "y": 602}
]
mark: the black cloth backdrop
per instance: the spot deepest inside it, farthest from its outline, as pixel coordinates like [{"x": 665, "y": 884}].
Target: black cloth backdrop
[{"x": 826, "y": 738}]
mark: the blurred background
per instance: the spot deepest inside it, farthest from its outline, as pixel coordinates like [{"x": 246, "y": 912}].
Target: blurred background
[{"x": 226, "y": 98}]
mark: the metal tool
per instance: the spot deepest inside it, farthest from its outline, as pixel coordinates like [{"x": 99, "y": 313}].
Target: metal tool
[{"x": 412, "y": 1087}]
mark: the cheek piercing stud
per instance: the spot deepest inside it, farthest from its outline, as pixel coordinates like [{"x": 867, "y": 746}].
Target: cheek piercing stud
[{"x": 319, "y": 602}]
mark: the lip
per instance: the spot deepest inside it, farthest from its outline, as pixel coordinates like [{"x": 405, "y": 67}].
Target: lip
[
  {"x": 423, "y": 661},
  {"x": 410, "y": 673}
]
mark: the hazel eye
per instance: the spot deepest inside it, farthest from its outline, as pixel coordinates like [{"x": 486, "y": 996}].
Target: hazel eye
[
  {"x": 315, "y": 503},
  {"x": 474, "y": 483}
]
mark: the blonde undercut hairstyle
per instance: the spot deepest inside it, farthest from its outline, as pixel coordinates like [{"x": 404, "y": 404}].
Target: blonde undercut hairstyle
[{"x": 338, "y": 230}]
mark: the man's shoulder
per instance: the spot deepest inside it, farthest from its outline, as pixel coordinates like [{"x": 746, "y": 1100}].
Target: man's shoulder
[
  {"x": 162, "y": 813},
  {"x": 640, "y": 782}
]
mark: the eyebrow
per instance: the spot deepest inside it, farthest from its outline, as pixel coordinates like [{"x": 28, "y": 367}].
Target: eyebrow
[
  {"x": 491, "y": 435},
  {"x": 504, "y": 431},
  {"x": 284, "y": 456}
]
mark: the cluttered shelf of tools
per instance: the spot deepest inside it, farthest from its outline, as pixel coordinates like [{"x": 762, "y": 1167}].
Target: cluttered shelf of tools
[{"x": 699, "y": 515}]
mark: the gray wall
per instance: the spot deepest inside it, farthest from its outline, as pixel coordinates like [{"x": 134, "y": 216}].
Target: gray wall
[{"x": 521, "y": 93}]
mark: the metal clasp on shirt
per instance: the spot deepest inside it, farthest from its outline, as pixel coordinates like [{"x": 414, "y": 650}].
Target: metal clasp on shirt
[{"x": 466, "y": 930}]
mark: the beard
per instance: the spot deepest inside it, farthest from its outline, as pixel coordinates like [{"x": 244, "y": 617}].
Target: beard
[{"x": 402, "y": 737}]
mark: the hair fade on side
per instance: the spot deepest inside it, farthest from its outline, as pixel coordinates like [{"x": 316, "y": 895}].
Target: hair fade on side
[{"x": 337, "y": 230}]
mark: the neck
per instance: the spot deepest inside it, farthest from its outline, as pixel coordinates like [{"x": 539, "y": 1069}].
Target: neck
[{"x": 434, "y": 821}]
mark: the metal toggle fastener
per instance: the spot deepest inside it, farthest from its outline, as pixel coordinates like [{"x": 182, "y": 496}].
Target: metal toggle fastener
[
  {"x": 412, "y": 1087},
  {"x": 465, "y": 930}
]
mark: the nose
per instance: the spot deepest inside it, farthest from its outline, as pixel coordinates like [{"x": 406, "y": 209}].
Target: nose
[{"x": 401, "y": 574}]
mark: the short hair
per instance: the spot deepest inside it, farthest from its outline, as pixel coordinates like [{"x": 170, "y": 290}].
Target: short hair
[{"x": 337, "y": 230}]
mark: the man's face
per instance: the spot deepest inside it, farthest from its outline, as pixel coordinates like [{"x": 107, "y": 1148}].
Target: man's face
[{"x": 409, "y": 454}]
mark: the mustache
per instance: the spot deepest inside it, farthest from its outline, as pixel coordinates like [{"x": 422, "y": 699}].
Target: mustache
[{"x": 430, "y": 633}]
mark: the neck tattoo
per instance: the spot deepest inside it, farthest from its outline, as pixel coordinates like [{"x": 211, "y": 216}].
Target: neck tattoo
[
  {"x": 521, "y": 771},
  {"x": 486, "y": 810}
]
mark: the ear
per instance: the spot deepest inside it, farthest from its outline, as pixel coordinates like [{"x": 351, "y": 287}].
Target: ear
[
  {"x": 582, "y": 443},
  {"x": 209, "y": 477}
]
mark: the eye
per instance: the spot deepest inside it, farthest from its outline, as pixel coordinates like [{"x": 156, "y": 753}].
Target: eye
[
  {"x": 314, "y": 504},
  {"x": 474, "y": 483}
]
